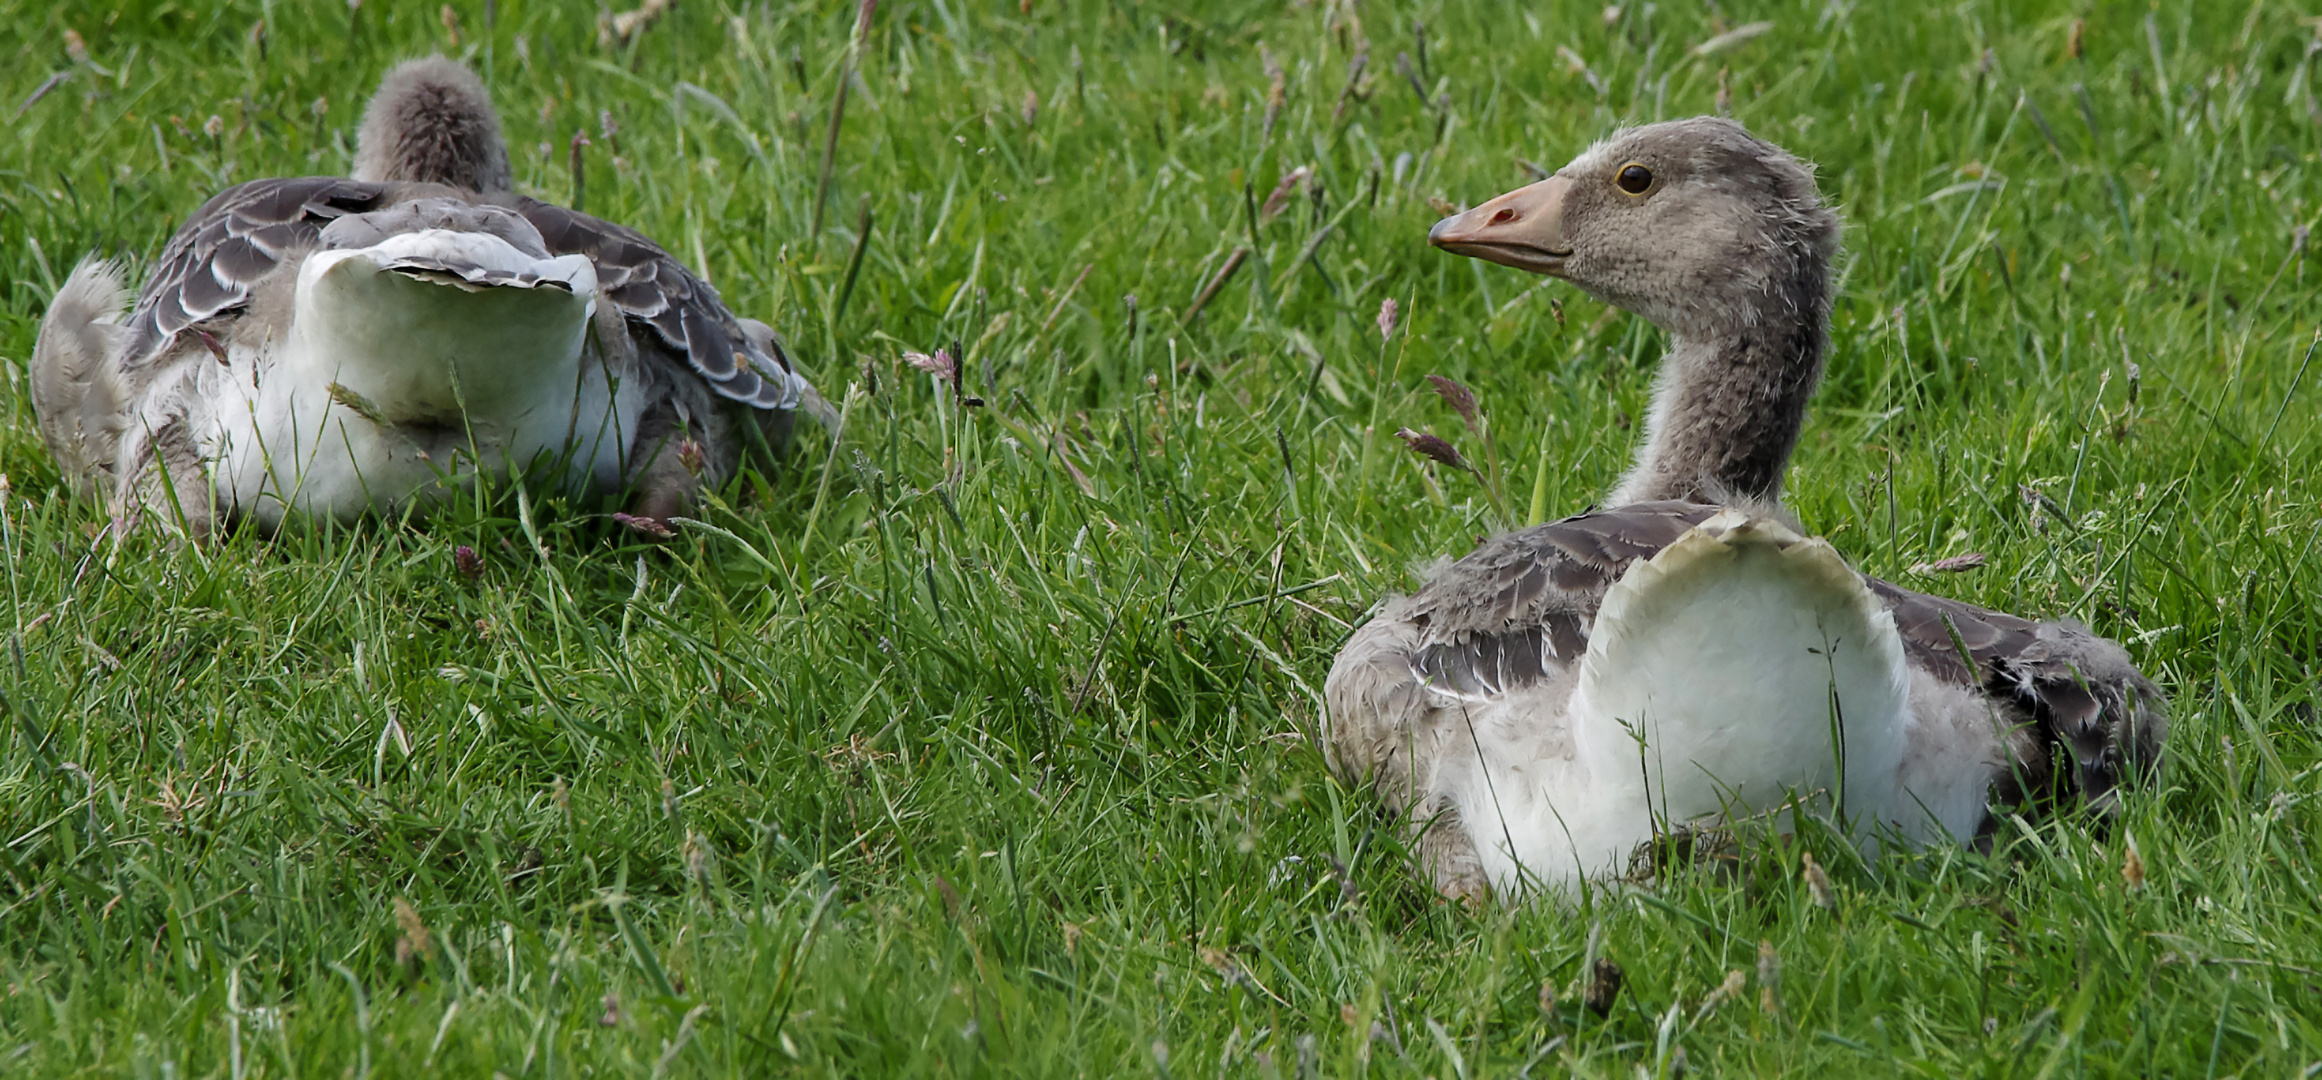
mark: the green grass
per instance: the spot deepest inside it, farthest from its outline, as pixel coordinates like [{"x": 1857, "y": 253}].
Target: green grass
[{"x": 1004, "y": 768}]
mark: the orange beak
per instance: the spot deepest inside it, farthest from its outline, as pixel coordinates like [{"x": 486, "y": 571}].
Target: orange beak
[{"x": 1523, "y": 228}]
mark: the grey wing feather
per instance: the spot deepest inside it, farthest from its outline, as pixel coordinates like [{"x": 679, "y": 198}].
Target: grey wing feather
[
  {"x": 1508, "y": 581},
  {"x": 238, "y": 237},
  {"x": 2073, "y": 690},
  {"x": 209, "y": 267},
  {"x": 1517, "y": 608},
  {"x": 683, "y": 311},
  {"x": 91, "y": 364},
  {"x": 1514, "y": 612}
]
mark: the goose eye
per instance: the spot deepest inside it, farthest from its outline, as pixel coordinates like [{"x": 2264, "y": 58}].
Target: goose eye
[{"x": 1634, "y": 178}]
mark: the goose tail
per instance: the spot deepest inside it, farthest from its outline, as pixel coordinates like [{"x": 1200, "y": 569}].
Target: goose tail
[{"x": 78, "y": 392}]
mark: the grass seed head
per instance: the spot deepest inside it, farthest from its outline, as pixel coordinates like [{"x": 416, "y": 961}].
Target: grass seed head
[
  {"x": 696, "y": 851},
  {"x": 2132, "y": 867},
  {"x": 1274, "y": 76},
  {"x": 1726, "y": 991},
  {"x": 1460, "y": 398},
  {"x": 1604, "y": 986},
  {"x": 1387, "y": 308},
  {"x": 1223, "y": 963},
  {"x": 576, "y": 163},
  {"x": 1817, "y": 882},
  {"x": 1954, "y": 565},
  {"x": 1432, "y": 447},
  {"x": 939, "y": 363},
  {"x": 1769, "y": 978},
  {"x": 1279, "y": 198},
  {"x": 615, "y": 30},
  {"x": 645, "y": 525},
  {"x": 416, "y": 941}
]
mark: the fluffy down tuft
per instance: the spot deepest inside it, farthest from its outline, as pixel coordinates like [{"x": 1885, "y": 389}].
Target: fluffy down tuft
[
  {"x": 432, "y": 122},
  {"x": 76, "y": 390}
]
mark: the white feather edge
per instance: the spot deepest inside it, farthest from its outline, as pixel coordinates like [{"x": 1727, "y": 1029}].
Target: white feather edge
[{"x": 481, "y": 250}]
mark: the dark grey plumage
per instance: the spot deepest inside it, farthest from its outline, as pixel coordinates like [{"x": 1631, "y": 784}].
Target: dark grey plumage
[{"x": 2086, "y": 719}]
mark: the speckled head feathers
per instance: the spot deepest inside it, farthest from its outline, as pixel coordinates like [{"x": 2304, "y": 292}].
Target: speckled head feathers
[
  {"x": 432, "y": 122},
  {"x": 1695, "y": 224}
]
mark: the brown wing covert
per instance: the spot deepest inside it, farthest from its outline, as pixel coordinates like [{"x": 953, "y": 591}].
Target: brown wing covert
[
  {"x": 235, "y": 239},
  {"x": 684, "y": 311}
]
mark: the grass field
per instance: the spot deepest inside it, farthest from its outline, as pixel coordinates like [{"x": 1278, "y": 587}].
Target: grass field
[{"x": 982, "y": 745}]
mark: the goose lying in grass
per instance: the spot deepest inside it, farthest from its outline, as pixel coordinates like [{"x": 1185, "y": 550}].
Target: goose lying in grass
[
  {"x": 1566, "y": 691},
  {"x": 332, "y": 346}
]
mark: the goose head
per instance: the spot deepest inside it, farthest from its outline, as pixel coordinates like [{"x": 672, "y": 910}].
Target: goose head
[
  {"x": 432, "y": 122},
  {"x": 1694, "y": 224}
]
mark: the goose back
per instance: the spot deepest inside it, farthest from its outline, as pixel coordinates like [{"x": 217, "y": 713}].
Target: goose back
[{"x": 209, "y": 269}]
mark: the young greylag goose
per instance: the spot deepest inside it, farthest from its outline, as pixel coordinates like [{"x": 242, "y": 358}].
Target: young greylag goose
[
  {"x": 1567, "y": 691},
  {"x": 330, "y": 346}
]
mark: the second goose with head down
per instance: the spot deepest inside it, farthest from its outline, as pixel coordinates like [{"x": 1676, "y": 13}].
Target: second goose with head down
[
  {"x": 1565, "y": 692},
  {"x": 331, "y": 346}
]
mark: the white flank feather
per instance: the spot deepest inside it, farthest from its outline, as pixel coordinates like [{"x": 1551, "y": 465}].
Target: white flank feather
[{"x": 1718, "y": 673}]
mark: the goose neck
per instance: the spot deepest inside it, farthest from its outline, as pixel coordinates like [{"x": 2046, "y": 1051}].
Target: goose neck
[{"x": 1727, "y": 409}]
